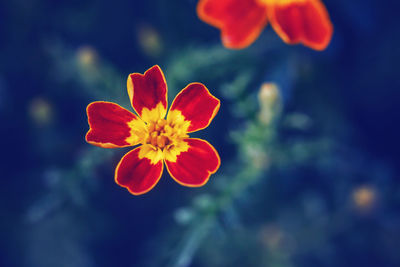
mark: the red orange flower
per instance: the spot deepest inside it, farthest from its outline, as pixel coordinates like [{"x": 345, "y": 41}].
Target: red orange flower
[
  {"x": 295, "y": 21},
  {"x": 163, "y": 138}
]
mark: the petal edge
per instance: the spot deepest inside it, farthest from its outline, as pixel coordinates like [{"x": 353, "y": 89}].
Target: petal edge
[
  {"x": 137, "y": 174},
  {"x": 302, "y": 21},
  {"x": 110, "y": 125},
  {"x": 240, "y": 22},
  {"x": 148, "y": 92},
  {"x": 187, "y": 171},
  {"x": 197, "y": 105}
]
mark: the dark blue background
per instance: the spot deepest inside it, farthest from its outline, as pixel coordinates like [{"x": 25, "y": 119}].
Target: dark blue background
[{"x": 352, "y": 94}]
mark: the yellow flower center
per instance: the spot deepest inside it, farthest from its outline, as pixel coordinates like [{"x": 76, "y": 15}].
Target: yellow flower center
[
  {"x": 160, "y": 133},
  {"x": 166, "y": 133},
  {"x": 161, "y": 138}
]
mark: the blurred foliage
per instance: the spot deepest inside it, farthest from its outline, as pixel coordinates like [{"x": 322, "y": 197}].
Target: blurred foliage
[{"x": 308, "y": 140}]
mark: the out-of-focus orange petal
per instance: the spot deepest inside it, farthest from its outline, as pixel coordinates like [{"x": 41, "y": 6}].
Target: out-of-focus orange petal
[
  {"x": 194, "y": 166},
  {"x": 111, "y": 125},
  {"x": 240, "y": 21},
  {"x": 301, "y": 21},
  {"x": 138, "y": 174},
  {"x": 148, "y": 91},
  {"x": 197, "y": 105}
]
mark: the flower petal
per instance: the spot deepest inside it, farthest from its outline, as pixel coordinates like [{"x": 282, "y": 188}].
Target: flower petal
[
  {"x": 194, "y": 166},
  {"x": 137, "y": 173},
  {"x": 113, "y": 126},
  {"x": 240, "y": 21},
  {"x": 302, "y": 21},
  {"x": 196, "y": 105},
  {"x": 148, "y": 93}
]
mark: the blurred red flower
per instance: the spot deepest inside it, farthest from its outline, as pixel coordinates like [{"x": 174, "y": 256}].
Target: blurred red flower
[{"x": 295, "y": 21}]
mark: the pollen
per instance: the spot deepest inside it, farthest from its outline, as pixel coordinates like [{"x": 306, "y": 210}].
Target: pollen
[{"x": 162, "y": 134}]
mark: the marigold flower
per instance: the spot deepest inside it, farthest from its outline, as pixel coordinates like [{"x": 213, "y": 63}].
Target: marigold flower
[
  {"x": 295, "y": 21},
  {"x": 162, "y": 137}
]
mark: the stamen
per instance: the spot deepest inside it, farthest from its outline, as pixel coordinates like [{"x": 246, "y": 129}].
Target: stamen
[
  {"x": 162, "y": 140},
  {"x": 154, "y": 136},
  {"x": 168, "y": 129},
  {"x": 162, "y": 122},
  {"x": 151, "y": 127},
  {"x": 163, "y": 134}
]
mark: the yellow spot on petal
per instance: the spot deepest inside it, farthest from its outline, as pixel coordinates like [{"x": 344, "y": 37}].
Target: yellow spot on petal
[
  {"x": 138, "y": 131},
  {"x": 177, "y": 121},
  {"x": 172, "y": 152},
  {"x": 154, "y": 154},
  {"x": 154, "y": 114}
]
